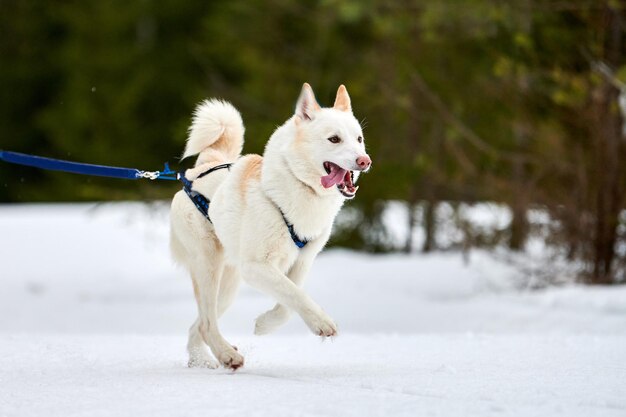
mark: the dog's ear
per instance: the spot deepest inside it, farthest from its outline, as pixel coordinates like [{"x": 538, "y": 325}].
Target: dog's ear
[
  {"x": 307, "y": 105},
  {"x": 342, "y": 101}
]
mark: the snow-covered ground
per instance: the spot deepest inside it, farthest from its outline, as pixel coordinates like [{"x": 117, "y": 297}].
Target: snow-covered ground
[{"x": 93, "y": 321}]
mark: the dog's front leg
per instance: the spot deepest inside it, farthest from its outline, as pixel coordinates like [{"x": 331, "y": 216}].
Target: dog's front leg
[
  {"x": 279, "y": 315},
  {"x": 270, "y": 280}
]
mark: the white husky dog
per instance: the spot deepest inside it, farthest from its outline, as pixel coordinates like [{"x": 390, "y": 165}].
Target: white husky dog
[{"x": 269, "y": 216}]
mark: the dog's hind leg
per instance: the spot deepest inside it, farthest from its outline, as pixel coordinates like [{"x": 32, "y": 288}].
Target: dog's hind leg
[
  {"x": 199, "y": 357},
  {"x": 229, "y": 285},
  {"x": 209, "y": 286}
]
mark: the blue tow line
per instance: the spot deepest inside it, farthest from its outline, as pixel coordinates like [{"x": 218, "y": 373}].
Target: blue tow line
[
  {"x": 86, "y": 169},
  {"x": 200, "y": 201}
]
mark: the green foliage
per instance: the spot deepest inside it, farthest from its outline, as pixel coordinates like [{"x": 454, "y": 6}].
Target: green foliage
[{"x": 462, "y": 100}]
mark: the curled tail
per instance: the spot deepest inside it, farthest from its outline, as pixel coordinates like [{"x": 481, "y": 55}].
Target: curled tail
[{"x": 216, "y": 132}]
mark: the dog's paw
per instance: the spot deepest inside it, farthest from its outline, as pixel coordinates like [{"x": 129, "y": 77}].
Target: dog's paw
[
  {"x": 322, "y": 325},
  {"x": 200, "y": 358},
  {"x": 202, "y": 362},
  {"x": 231, "y": 359},
  {"x": 271, "y": 320}
]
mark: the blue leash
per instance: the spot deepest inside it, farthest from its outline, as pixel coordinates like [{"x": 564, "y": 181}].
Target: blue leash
[
  {"x": 200, "y": 201},
  {"x": 86, "y": 169}
]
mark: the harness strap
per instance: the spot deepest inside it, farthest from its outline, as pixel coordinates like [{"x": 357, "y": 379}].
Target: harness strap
[
  {"x": 202, "y": 203},
  {"x": 215, "y": 168},
  {"x": 300, "y": 243},
  {"x": 199, "y": 200}
]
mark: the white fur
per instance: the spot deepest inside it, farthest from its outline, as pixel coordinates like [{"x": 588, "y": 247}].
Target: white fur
[
  {"x": 248, "y": 237},
  {"x": 214, "y": 120}
]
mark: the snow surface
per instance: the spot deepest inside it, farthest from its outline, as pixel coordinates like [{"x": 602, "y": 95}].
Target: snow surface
[{"x": 93, "y": 321}]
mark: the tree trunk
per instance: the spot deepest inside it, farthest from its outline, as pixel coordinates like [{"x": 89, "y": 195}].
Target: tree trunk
[
  {"x": 430, "y": 228},
  {"x": 408, "y": 244},
  {"x": 521, "y": 133},
  {"x": 609, "y": 170},
  {"x": 413, "y": 142},
  {"x": 519, "y": 227},
  {"x": 519, "y": 206}
]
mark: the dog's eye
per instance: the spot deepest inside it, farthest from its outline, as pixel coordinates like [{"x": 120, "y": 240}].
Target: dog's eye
[
  {"x": 359, "y": 139},
  {"x": 334, "y": 139}
]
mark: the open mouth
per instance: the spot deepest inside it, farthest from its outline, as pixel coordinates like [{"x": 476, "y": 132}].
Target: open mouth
[{"x": 340, "y": 177}]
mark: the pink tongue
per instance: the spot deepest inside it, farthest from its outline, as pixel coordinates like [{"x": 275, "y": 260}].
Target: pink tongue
[{"x": 335, "y": 177}]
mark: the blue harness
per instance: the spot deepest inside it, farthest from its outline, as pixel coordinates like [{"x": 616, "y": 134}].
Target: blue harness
[
  {"x": 199, "y": 200},
  {"x": 202, "y": 203},
  {"x": 300, "y": 243}
]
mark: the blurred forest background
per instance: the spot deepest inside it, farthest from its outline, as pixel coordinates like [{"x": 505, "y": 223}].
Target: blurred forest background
[{"x": 518, "y": 103}]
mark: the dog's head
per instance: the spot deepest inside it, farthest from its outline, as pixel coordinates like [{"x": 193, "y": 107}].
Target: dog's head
[{"x": 329, "y": 144}]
